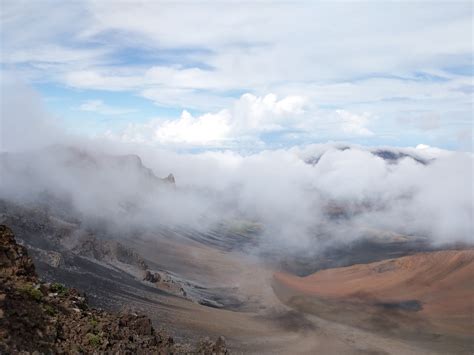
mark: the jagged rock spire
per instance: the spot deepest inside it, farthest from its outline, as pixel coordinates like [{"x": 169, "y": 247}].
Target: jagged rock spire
[{"x": 170, "y": 179}]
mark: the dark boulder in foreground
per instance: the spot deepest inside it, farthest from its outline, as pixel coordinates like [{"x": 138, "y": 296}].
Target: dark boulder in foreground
[{"x": 50, "y": 318}]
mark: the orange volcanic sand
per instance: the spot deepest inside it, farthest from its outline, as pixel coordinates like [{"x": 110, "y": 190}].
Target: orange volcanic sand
[{"x": 442, "y": 281}]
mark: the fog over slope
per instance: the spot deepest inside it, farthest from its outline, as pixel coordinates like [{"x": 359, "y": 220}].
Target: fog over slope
[{"x": 298, "y": 196}]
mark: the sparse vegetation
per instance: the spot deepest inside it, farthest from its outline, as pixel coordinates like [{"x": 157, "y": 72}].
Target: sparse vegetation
[
  {"x": 35, "y": 319},
  {"x": 94, "y": 325},
  {"x": 60, "y": 289},
  {"x": 94, "y": 339},
  {"x": 31, "y": 291},
  {"x": 49, "y": 310}
]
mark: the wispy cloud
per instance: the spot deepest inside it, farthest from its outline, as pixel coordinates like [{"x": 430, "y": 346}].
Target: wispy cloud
[
  {"x": 329, "y": 57},
  {"x": 98, "y": 106}
]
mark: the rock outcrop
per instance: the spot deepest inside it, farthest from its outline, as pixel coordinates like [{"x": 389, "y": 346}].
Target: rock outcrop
[
  {"x": 170, "y": 179},
  {"x": 152, "y": 277},
  {"x": 108, "y": 250}
]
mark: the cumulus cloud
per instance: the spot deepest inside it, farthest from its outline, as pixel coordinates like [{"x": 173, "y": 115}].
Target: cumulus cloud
[
  {"x": 205, "y": 129},
  {"x": 249, "y": 116},
  {"x": 248, "y": 119},
  {"x": 266, "y": 113}
]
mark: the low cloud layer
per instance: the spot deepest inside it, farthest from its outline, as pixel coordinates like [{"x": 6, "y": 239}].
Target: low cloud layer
[{"x": 297, "y": 195}]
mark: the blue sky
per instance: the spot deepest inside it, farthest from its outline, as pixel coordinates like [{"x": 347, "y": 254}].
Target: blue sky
[{"x": 213, "y": 75}]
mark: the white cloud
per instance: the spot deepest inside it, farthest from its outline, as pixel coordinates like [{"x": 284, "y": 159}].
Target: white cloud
[
  {"x": 432, "y": 200},
  {"x": 51, "y": 54},
  {"x": 373, "y": 45},
  {"x": 431, "y": 152},
  {"x": 353, "y": 66},
  {"x": 185, "y": 98},
  {"x": 206, "y": 129},
  {"x": 426, "y": 121},
  {"x": 100, "y": 107},
  {"x": 240, "y": 42},
  {"x": 352, "y": 123},
  {"x": 91, "y": 79},
  {"x": 267, "y": 113},
  {"x": 246, "y": 120},
  {"x": 248, "y": 117},
  {"x": 24, "y": 121},
  {"x": 191, "y": 78}
]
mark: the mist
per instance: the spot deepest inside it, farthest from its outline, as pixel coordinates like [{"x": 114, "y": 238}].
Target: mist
[{"x": 299, "y": 197}]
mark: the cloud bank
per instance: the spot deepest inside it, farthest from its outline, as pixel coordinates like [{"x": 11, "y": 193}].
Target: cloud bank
[{"x": 298, "y": 195}]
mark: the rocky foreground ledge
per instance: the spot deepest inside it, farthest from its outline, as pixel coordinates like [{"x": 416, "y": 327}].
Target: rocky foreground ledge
[{"x": 50, "y": 318}]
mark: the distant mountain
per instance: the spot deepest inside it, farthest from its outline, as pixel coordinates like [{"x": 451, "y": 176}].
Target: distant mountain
[
  {"x": 394, "y": 156},
  {"x": 73, "y": 158},
  {"x": 96, "y": 185},
  {"x": 390, "y": 155}
]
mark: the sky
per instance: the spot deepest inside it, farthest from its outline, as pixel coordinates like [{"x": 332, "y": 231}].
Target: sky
[{"x": 247, "y": 76}]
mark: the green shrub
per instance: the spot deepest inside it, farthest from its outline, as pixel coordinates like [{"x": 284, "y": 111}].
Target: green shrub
[
  {"x": 94, "y": 325},
  {"x": 59, "y": 289},
  {"x": 94, "y": 340},
  {"x": 49, "y": 310},
  {"x": 32, "y": 292}
]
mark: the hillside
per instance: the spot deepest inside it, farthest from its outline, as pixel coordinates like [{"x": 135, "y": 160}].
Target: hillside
[
  {"x": 37, "y": 316},
  {"x": 423, "y": 294}
]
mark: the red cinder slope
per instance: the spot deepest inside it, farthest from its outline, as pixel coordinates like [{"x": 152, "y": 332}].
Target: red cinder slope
[{"x": 436, "y": 286}]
